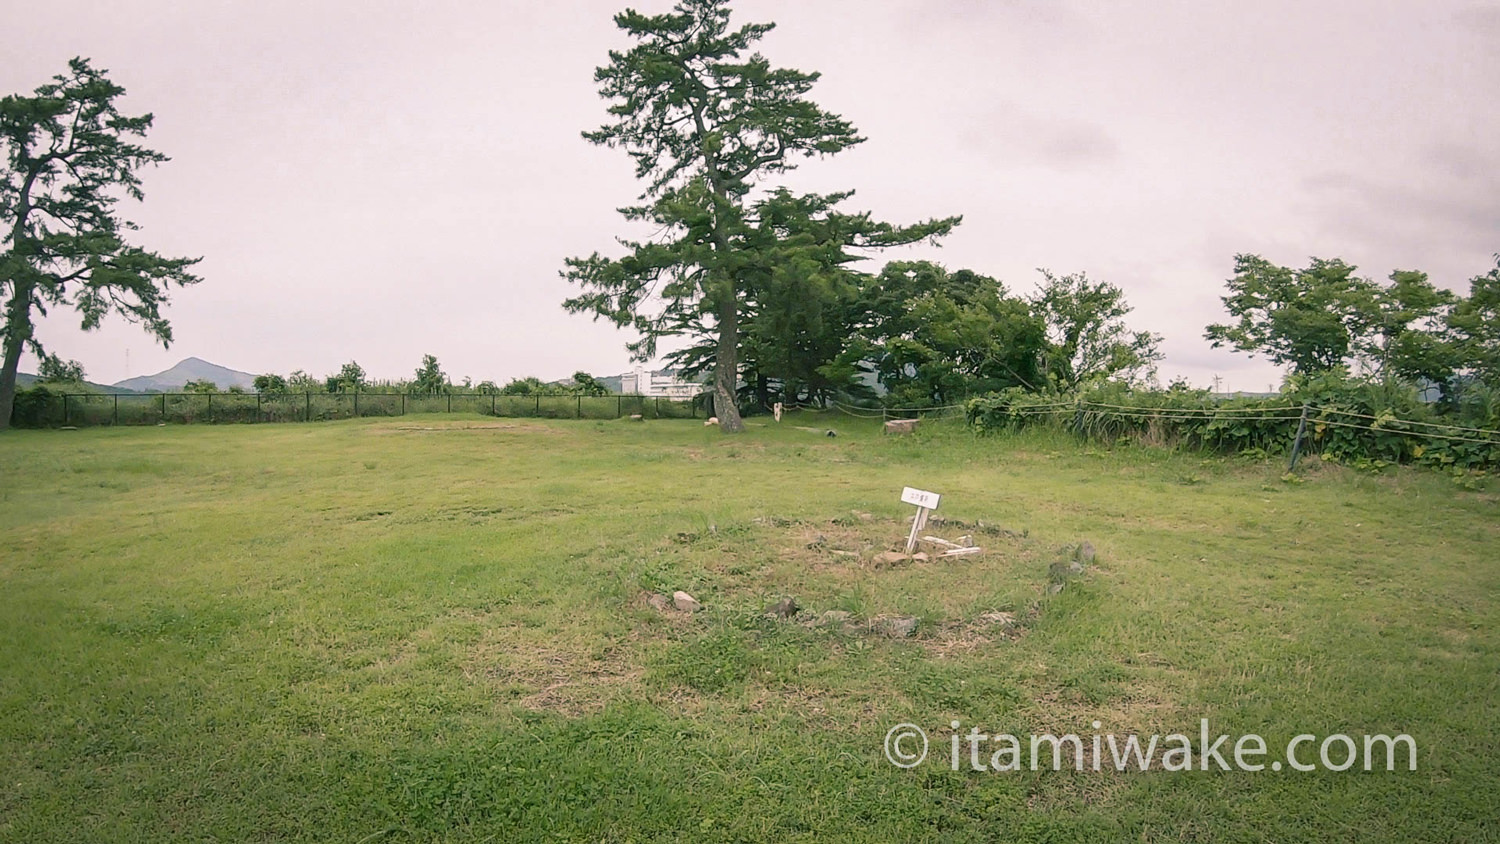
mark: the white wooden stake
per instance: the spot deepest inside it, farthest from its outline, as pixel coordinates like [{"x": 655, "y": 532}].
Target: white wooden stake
[{"x": 926, "y": 502}]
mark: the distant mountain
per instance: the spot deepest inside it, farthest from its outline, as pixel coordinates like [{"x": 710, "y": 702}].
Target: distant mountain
[
  {"x": 192, "y": 369},
  {"x": 24, "y": 379}
]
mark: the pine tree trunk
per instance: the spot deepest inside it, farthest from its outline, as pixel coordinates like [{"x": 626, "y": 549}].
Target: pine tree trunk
[
  {"x": 18, "y": 331},
  {"x": 725, "y": 365}
]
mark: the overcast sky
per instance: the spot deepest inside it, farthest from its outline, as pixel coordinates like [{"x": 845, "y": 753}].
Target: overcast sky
[{"x": 376, "y": 180}]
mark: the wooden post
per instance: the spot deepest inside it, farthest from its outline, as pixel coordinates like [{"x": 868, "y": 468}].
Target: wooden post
[
  {"x": 538, "y": 404},
  {"x": 117, "y": 410},
  {"x": 210, "y": 411},
  {"x": 403, "y": 404},
  {"x": 65, "y": 408},
  {"x": 925, "y": 502},
  {"x": 356, "y": 401},
  {"x": 307, "y": 412},
  {"x": 579, "y": 413},
  {"x": 494, "y": 411},
  {"x": 164, "y": 408},
  {"x": 619, "y": 406},
  {"x": 1297, "y": 440}
]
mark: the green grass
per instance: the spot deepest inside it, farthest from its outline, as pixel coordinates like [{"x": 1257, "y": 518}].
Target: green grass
[{"x": 434, "y": 630}]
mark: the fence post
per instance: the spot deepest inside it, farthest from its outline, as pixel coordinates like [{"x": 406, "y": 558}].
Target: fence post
[
  {"x": 307, "y": 407},
  {"x": 259, "y": 414},
  {"x": 658, "y": 407},
  {"x": 538, "y": 404},
  {"x": 116, "y": 420},
  {"x": 450, "y": 402},
  {"x": 493, "y": 409},
  {"x": 579, "y": 413},
  {"x": 210, "y": 412},
  {"x": 65, "y": 408},
  {"x": 619, "y": 406},
  {"x": 1297, "y": 440},
  {"x": 163, "y": 408},
  {"x": 356, "y": 402}
]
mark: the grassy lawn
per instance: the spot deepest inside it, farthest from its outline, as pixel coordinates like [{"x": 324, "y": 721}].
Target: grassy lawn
[{"x": 436, "y": 630}]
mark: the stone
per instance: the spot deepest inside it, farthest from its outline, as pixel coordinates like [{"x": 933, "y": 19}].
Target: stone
[
  {"x": 901, "y": 426},
  {"x": 636, "y": 417},
  {"x": 1084, "y": 554},
  {"x": 1064, "y": 570},
  {"x": 784, "y": 608},
  {"x": 685, "y": 602},
  {"x": 658, "y": 601},
  {"x": 899, "y": 627},
  {"x": 890, "y": 558}
]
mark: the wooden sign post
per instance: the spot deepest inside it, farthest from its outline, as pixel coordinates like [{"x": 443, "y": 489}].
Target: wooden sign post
[{"x": 926, "y": 502}]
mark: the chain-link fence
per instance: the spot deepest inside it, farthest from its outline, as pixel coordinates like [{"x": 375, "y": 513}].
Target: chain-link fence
[{"x": 54, "y": 410}]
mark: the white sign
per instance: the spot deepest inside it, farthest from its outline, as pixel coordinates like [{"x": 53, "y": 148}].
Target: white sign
[{"x": 919, "y": 497}]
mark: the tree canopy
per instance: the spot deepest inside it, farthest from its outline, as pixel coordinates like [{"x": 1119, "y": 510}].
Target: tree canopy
[
  {"x": 69, "y": 157},
  {"x": 704, "y": 123}
]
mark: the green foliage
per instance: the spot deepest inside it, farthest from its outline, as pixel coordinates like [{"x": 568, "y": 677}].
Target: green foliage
[
  {"x": 1364, "y": 424},
  {"x": 36, "y": 407},
  {"x": 1088, "y": 340},
  {"x": 68, "y": 161},
  {"x": 270, "y": 384},
  {"x": 300, "y": 382},
  {"x": 528, "y": 386},
  {"x": 1307, "y": 319},
  {"x": 704, "y": 123},
  {"x": 1475, "y": 324},
  {"x": 53, "y": 368},
  {"x": 584, "y": 384},
  {"x": 200, "y": 386},
  {"x": 1324, "y": 317},
  {"x": 430, "y": 379},
  {"x": 936, "y": 337},
  {"x": 350, "y": 378}
]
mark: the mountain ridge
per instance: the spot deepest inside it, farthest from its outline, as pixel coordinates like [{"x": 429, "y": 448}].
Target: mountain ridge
[{"x": 188, "y": 369}]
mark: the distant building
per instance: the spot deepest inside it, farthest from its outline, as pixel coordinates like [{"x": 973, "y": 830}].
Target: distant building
[{"x": 660, "y": 384}]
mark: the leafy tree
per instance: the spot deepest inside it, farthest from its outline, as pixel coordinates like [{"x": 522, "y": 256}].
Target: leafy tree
[
  {"x": 349, "y": 379},
  {"x": 1308, "y": 319},
  {"x": 300, "y": 382},
  {"x": 54, "y": 368},
  {"x": 1475, "y": 326},
  {"x": 68, "y": 158},
  {"x": 703, "y": 123},
  {"x": 585, "y": 384},
  {"x": 937, "y": 337},
  {"x": 270, "y": 384},
  {"x": 528, "y": 386},
  {"x": 802, "y": 305},
  {"x": 1086, "y": 332},
  {"x": 1406, "y": 327},
  {"x": 487, "y": 388},
  {"x": 201, "y": 385},
  {"x": 430, "y": 379}
]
